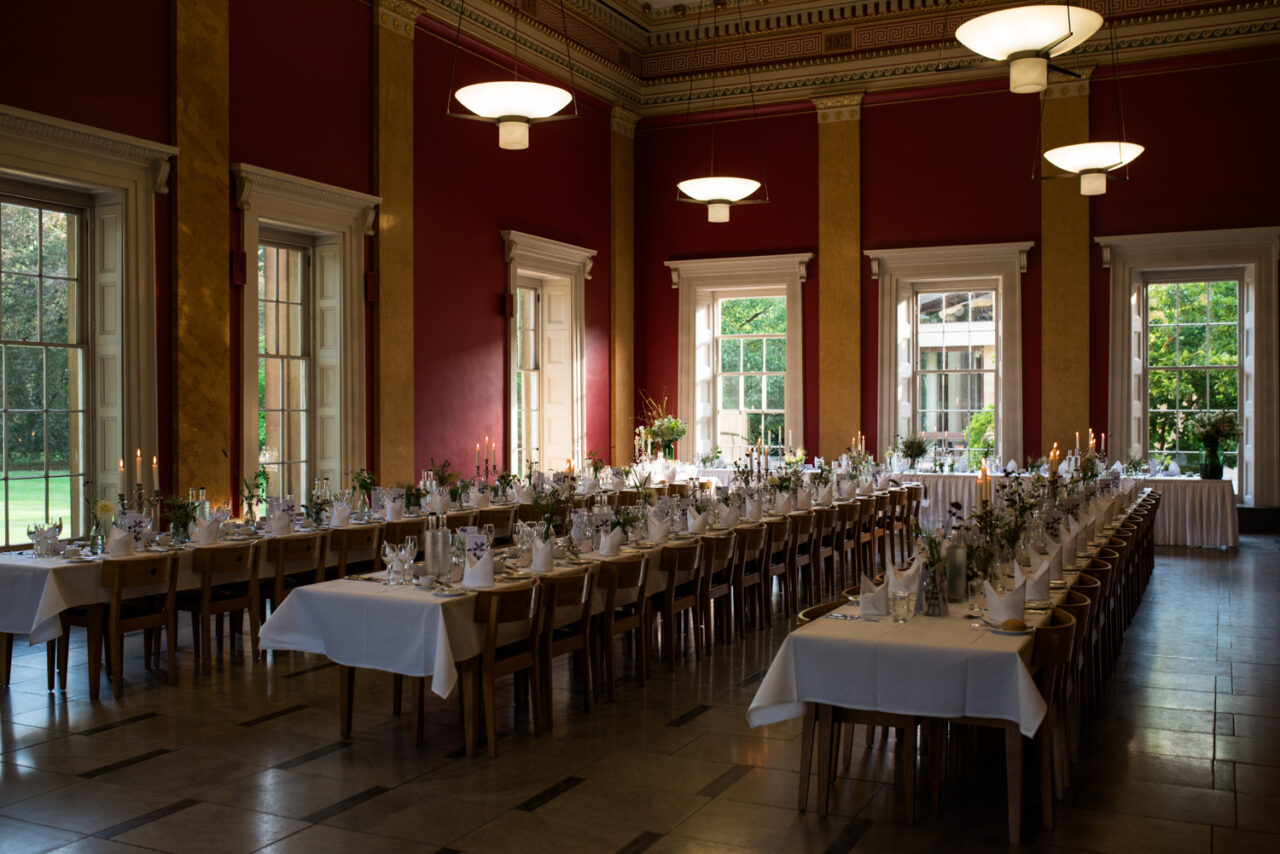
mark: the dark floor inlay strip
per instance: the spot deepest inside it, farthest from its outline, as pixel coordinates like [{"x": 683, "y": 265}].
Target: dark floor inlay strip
[
  {"x": 724, "y": 781},
  {"x": 848, "y": 837},
  {"x": 315, "y": 754},
  {"x": 272, "y": 716},
  {"x": 752, "y": 679},
  {"x": 146, "y": 818},
  {"x": 345, "y": 804},
  {"x": 122, "y": 722},
  {"x": 689, "y": 715},
  {"x": 304, "y": 671},
  {"x": 641, "y": 843},
  {"x": 124, "y": 763},
  {"x": 550, "y": 794}
]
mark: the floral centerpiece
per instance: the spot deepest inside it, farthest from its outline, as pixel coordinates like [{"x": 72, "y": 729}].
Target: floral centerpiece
[
  {"x": 254, "y": 493},
  {"x": 103, "y": 514},
  {"x": 181, "y": 513},
  {"x": 913, "y": 448},
  {"x": 1213, "y": 429},
  {"x": 597, "y": 463},
  {"x": 708, "y": 460},
  {"x": 662, "y": 429},
  {"x": 362, "y": 483},
  {"x": 553, "y": 507}
]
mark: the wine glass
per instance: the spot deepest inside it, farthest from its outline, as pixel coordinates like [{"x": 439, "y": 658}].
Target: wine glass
[{"x": 488, "y": 533}]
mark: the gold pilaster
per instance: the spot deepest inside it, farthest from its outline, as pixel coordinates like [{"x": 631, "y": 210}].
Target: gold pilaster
[
  {"x": 622, "y": 296},
  {"x": 393, "y": 124},
  {"x": 840, "y": 277},
  {"x": 1064, "y": 275},
  {"x": 202, "y": 390}
]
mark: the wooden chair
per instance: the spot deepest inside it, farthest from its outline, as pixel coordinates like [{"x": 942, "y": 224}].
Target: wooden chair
[
  {"x": 824, "y": 565},
  {"x": 679, "y": 567},
  {"x": 867, "y": 515},
  {"x": 564, "y": 627},
  {"x": 848, "y": 522},
  {"x": 228, "y": 585},
  {"x": 1078, "y": 605},
  {"x": 683, "y": 490},
  {"x": 622, "y": 582},
  {"x": 362, "y": 540},
  {"x": 528, "y": 514},
  {"x": 503, "y": 520},
  {"x": 751, "y": 576},
  {"x": 896, "y": 525},
  {"x": 717, "y": 584},
  {"x": 1050, "y": 659},
  {"x": 814, "y": 612},
  {"x": 881, "y": 528},
  {"x": 456, "y": 519},
  {"x": 129, "y": 609},
  {"x": 509, "y": 647},
  {"x": 296, "y": 559},
  {"x": 777, "y": 563},
  {"x": 801, "y": 563}
]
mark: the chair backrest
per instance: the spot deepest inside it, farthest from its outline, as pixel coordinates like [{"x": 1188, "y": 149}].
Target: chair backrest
[
  {"x": 750, "y": 546},
  {"x": 717, "y": 555},
  {"x": 456, "y": 519},
  {"x": 801, "y": 528},
  {"x": 679, "y": 564},
  {"x": 622, "y": 580},
  {"x": 395, "y": 532},
  {"x": 882, "y": 509},
  {"x": 501, "y": 518},
  {"x": 684, "y": 490},
  {"x": 867, "y": 510},
  {"x": 508, "y": 616},
  {"x": 528, "y": 514},
  {"x": 1052, "y": 650},
  {"x": 212, "y": 561},
  {"x": 291, "y": 550},
  {"x": 824, "y": 523},
  {"x": 128, "y": 573},
  {"x": 565, "y": 599},
  {"x": 1078, "y": 605},
  {"x": 814, "y": 612},
  {"x": 361, "y": 539},
  {"x": 915, "y": 493},
  {"x": 848, "y": 514},
  {"x": 779, "y": 540}
]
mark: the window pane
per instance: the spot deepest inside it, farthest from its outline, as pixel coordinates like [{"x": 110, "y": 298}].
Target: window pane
[
  {"x": 1162, "y": 346},
  {"x": 1193, "y": 302},
  {"x": 930, "y": 391},
  {"x": 267, "y": 329},
  {"x": 753, "y": 316},
  {"x": 957, "y": 358},
  {"x": 20, "y": 230},
  {"x": 64, "y": 379},
  {"x": 1162, "y": 389},
  {"x": 729, "y": 393},
  {"x": 751, "y": 393},
  {"x": 59, "y": 260},
  {"x": 267, "y": 288},
  {"x": 775, "y": 354},
  {"x": 930, "y": 308},
  {"x": 293, "y": 270},
  {"x": 930, "y": 359},
  {"x": 1162, "y": 433},
  {"x": 294, "y": 335},
  {"x": 731, "y": 355},
  {"x": 65, "y": 432},
  {"x": 1191, "y": 344},
  {"x": 55, "y": 319},
  {"x": 60, "y": 506},
  {"x": 1162, "y": 304},
  {"x": 1223, "y": 345},
  {"x": 1193, "y": 389},
  {"x": 1223, "y": 302},
  {"x": 982, "y": 307},
  {"x": 24, "y": 442},
  {"x": 930, "y": 421},
  {"x": 957, "y": 310},
  {"x": 20, "y": 307},
  {"x": 24, "y": 378},
  {"x": 753, "y": 354},
  {"x": 1224, "y": 390},
  {"x": 271, "y": 448},
  {"x": 775, "y": 422},
  {"x": 776, "y": 392},
  {"x": 294, "y": 377}
]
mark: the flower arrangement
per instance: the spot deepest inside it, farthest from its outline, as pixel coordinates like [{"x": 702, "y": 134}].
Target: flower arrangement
[
  {"x": 912, "y": 449},
  {"x": 254, "y": 492},
  {"x": 552, "y": 507},
  {"x": 442, "y": 473},
  {"x": 821, "y": 476},
  {"x": 316, "y": 507},
  {"x": 362, "y": 482},
  {"x": 708, "y": 459},
  {"x": 458, "y": 489},
  {"x": 627, "y": 518},
  {"x": 1214, "y": 428},
  {"x": 796, "y": 457},
  {"x": 597, "y": 463},
  {"x": 662, "y": 429},
  {"x": 181, "y": 513},
  {"x": 502, "y": 484}
]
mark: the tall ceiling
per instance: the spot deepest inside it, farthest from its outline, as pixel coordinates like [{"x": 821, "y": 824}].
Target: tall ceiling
[{"x": 642, "y": 54}]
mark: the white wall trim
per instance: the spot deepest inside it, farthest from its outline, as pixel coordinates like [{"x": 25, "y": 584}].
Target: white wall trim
[
  {"x": 1130, "y": 259},
  {"x": 696, "y": 278},
  {"x": 320, "y": 210},
  {"x": 113, "y": 168},
  {"x": 900, "y": 271},
  {"x": 530, "y": 254}
]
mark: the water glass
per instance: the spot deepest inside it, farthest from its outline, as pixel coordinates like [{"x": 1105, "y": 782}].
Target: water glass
[
  {"x": 977, "y": 596},
  {"x": 899, "y": 606}
]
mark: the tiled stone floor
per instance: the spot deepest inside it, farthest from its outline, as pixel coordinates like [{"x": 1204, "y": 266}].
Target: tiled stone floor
[{"x": 1184, "y": 755}]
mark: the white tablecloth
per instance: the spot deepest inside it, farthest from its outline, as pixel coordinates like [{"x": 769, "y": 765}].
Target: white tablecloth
[
  {"x": 1195, "y": 512},
  {"x": 935, "y": 667},
  {"x": 940, "y": 490}
]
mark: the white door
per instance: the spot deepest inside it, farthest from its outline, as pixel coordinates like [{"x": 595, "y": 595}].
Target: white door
[{"x": 556, "y": 368}]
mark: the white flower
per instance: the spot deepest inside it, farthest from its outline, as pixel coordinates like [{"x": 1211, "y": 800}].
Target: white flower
[{"x": 104, "y": 509}]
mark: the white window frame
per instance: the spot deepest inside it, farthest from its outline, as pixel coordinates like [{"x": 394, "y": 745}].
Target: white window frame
[
  {"x": 335, "y": 222},
  {"x": 716, "y": 373},
  {"x": 121, "y": 174},
  {"x": 537, "y": 257},
  {"x": 702, "y": 281},
  {"x": 903, "y": 273},
  {"x": 1133, "y": 259}
]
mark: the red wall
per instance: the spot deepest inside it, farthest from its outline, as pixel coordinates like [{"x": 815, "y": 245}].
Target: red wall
[
  {"x": 668, "y": 230},
  {"x": 939, "y": 171},
  {"x": 302, "y": 88},
  {"x": 467, "y": 190},
  {"x": 1210, "y": 133},
  {"x": 100, "y": 64}
]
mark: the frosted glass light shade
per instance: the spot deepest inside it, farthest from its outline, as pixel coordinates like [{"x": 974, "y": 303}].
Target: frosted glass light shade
[
  {"x": 1053, "y": 30},
  {"x": 718, "y": 193},
  {"x": 1028, "y": 74},
  {"x": 500, "y": 98},
  {"x": 1092, "y": 161}
]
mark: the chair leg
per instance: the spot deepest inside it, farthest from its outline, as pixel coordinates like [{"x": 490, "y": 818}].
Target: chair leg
[
  {"x": 198, "y": 641},
  {"x": 51, "y": 657},
  {"x": 346, "y": 699},
  {"x": 909, "y": 768},
  {"x": 606, "y": 662},
  {"x": 206, "y": 643},
  {"x": 117, "y": 664},
  {"x": 806, "y": 752},
  {"x": 95, "y": 650},
  {"x": 826, "y": 724},
  {"x": 491, "y": 713},
  {"x": 64, "y": 650},
  {"x": 1013, "y": 773},
  {"x": 468, "y": 672},
  {"x": 397, "y": 692},
  {"x": 171, "y": 635}
]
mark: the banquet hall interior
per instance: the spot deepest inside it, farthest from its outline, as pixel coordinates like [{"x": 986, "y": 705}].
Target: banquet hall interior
[{"x": 770, "y": 291}]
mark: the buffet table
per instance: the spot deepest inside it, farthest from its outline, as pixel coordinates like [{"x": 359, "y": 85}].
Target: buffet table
[{"x": 1195, "y": 512}]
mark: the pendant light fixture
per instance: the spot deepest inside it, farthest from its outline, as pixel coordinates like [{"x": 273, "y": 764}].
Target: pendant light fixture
[
  {"x": 720, "y": 192},
  {"x": 1027, "y": 37},
  {"x": 1094, "y": 161},
  {"x": 512, "y": 104}
]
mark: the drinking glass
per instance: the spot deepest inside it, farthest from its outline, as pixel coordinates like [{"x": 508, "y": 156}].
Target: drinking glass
[
  {"x": 488, "y": 533},
  {"x": 899, "y": 606},
  {"x": 977, "y": 596}
]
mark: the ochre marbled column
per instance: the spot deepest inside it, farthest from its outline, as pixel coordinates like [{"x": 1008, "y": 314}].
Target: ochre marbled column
[
  {"x": 622, "y": 329},
  {"x": 1064, "y": 275},
  {"x": 393, "y": 120},
  {"x": 840, "y": 272},
  {"x": 202, "y": 389}
]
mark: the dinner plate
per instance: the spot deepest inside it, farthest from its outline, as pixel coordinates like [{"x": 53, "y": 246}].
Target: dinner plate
[
  {"x": 1028, "y": 630},
  {"x": 449, "y": 594},
  {"x": 643, "y": 544},
  {"x": 79, "y": 559}
]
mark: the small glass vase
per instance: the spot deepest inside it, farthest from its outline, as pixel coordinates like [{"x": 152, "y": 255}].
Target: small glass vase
[
  {"x": 96, "y": 538},
  {"x": 180, "y": 534}
]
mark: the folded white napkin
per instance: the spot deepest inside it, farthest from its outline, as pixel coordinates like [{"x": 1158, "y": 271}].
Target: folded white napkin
[
  {"x": 753, "y": 510},
  {"x": 783, "y": 504},
  {"x": 394, "y": 510},
  {"x": 1011, "y": 607},
  {"x": 524, "y": 494},
  {"x": 804, "y": 499},
  {"x": 1073, "y": 527},
  {"x": 907, "y": 581},
  {"x": 885, "y": 483},
  {"x": 1068, "y": 548},
  {"x": 1011, "y": 467},
  {"x": 873, "y": 600},
  {"x": 1037, "y": 582},
  {"x": 438, "y": 504},
  {"x": 1174, "y": 470},
  {"x": 728, "y": 516},
  {"x": 282, "y": 523},
  {"x": 1064, "y": 469},
  {"x": 1117, "y": 467},
  {"x": 826, "y": 494},
  {"x": 340, "y": 515},
  {"x": 119, "y": 542},
  {"x": 480, "y": 573},
  {"x": 543, "y": 551},
  {"x": 697, "y": 522},
  {"x": 1055, "y": 563},
  {"x": 611, "y": 543},
  {"x": 206, "y": 533},
  {"x": 590, "y": 485},
  {"x": 659, "y": 531},
  {"x": 865, "y": 489},
  {"x": 962, "y": 465}
]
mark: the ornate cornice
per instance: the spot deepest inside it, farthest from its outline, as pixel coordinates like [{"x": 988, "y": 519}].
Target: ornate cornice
[
  {"x": 46, "y": 130},
  {"x": 399, "y": 16},
  {"x": 839, "y": 108},
  {"x": 254, "y": 180},
  {"x": 623, "y": 121}
]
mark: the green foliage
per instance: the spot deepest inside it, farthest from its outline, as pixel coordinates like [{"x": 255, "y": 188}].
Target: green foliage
[
  {"x": 980, "y": 434},
  {"x": 753, "y": 316}
]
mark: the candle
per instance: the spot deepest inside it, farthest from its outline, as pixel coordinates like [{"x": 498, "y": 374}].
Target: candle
[
  {"x": 1077, "y": 441},
  {"x": 124, "y": 486},
  {"x": 789, "y": 445},
  {"x": 1104, "y": 444},
  {"x": 155, "y": 472},
  {"x": 486, "y": 451},
  {"x": 137, "y": 468},
  {"x": 477, "y": 456}
]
